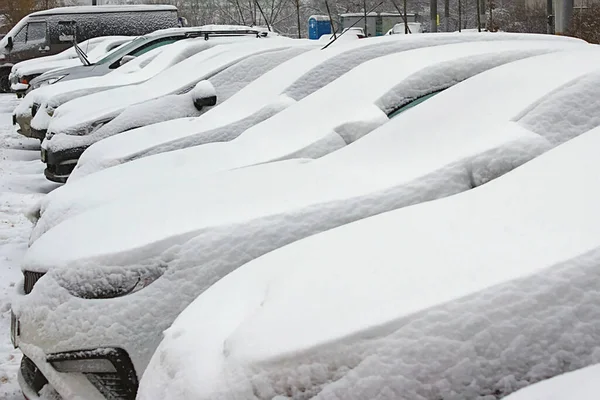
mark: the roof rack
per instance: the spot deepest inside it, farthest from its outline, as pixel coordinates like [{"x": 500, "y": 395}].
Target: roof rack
[{"x": 242, "y": 32}]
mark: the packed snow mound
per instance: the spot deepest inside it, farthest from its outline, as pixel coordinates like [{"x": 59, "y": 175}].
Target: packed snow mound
[
  {"x": 305, "y": 75},
  {"x": 444, "y": 299},
  {"x": 301, "y": 138},
  {"x": 583, "y": 384},
  {"x": 224, "y": 84}
]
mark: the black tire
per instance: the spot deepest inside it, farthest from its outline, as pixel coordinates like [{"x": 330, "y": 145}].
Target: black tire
[{"x": 4, "y": 84}]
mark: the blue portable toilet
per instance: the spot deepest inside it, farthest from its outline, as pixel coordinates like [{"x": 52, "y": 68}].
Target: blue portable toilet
[{"x": 318, "y": 25}]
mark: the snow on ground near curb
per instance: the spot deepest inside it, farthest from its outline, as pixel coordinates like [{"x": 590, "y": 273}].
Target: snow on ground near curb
[
  {"x": 22, "y": 183},
  {"x": 583, "y": 384}
]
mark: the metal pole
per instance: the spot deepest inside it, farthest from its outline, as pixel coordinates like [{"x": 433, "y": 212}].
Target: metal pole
[
  {"x": 365, "y": 11},
  {"x": 298, "y": 16},
  {"x": 447, "y": 15},
  {"x": 406, "y": 30},
  {"x": 550, "y": 14},
  {"x": 459, "y": 15},
  {"x": 478, "y": 16},
  {"x": 433, "y": 15}
]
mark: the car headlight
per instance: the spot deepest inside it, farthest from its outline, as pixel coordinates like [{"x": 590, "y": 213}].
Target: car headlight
[{"x": 109, "y": 282}]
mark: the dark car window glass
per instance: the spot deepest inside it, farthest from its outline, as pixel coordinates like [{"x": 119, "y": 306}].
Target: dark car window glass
[
  {"x": 410, "y": 105},
  {"x": 20, "y": 37},
  {"x": 123, "y": 50},
  {"x": 36, "y": 32},
  {"x": 67, "y": 31},
  {"x": 152, "y": 46}
]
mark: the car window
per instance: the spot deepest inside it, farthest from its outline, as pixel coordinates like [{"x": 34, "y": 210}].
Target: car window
[
  {"x": 153, "y": 45},
  {"x": 36, "y": 32},
  {"x": 67, "y": 31},
  {"x": 122, "y": 51},
  {"x": 21, "y": 36},
  {"x": 411, "y": 104}
]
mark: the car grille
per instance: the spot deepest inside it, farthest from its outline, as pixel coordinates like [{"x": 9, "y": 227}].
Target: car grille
[
  {"x": 122, "y": 384},
  {"x": 34, "y": 109},
  {"x": 32, "y": 375},
  {"x": 112, "y": 386},
  {"x": 30, "y": 280}
]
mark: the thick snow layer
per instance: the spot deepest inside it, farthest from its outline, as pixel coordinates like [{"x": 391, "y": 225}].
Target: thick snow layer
[
  {"x": 184, "y": 233},
  {"x": 74, "y": 117},
  {"x": 471, "y": 296},
  {"x": 583, "y": 384},
  {"x": 21, "y": 184},
  {"x": 225, "y": 83},
  {"x": 395, "y": 163},
  {"x": 98, "y": 52},
  {"x": 429, "y": 69},
  {"x": 52, "y": 96},
  {"x": 296, "y": 79}
]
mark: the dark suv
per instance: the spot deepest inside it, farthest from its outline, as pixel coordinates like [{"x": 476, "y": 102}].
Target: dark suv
[{"x": 51, "y": 31}]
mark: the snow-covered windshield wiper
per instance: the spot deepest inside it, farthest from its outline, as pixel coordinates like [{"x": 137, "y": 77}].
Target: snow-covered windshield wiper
[{"x": 81, "y": 54}]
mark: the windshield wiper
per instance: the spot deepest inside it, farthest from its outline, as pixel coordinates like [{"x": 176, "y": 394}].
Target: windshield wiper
[{"x": 81, "y": 54}]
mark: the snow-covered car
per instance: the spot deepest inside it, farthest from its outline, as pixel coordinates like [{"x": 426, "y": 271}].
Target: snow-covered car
[
  {"x": 166, "y": 96},
  {"x": 163, "y": 251},
  {"x": 57, "y": 87},
  {"x": 469, "y": 297},
  {"x": 302, "y": 130},
  {"x": 277, "y": 89},
  {"x": 95, "y": 50}
]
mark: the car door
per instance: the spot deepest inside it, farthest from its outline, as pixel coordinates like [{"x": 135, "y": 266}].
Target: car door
[{"x": 30, "y": 42}]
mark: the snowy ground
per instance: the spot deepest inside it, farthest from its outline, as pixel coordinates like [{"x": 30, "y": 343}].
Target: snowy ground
[{"x": 22, "y": 183}]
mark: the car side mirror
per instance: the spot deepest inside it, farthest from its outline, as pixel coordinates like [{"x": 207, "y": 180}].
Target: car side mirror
[
  {"x": 126, "y": 59},
  {"x": 204, "y": 95},
  {"x": 9, "y": 42}
]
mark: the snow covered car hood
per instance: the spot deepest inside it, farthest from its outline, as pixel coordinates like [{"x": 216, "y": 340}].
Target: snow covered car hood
[
  {"x": 70, "y": 117},
  {"x": 226, "y": 82},
  {"x": 290, "y": 134},
  {"x": 474, "y": 295},
  {"x": 295, "y": 79}
]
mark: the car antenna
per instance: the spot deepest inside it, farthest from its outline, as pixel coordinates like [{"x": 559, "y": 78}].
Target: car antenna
[{"x": 351, "y": 26}]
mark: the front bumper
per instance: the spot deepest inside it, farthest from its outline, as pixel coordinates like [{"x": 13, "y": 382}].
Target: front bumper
[
  {"x": 60, "y": 164},
  {"x": 36, "y": 371}
]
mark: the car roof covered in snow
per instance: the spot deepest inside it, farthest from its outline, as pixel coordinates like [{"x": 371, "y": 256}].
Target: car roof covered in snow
[
  {"x": 176, "y": 79},
  {"x": 296, "y": 79},
  {"x": 103, "y": 9},
  {"x": 489, "y": 283}
]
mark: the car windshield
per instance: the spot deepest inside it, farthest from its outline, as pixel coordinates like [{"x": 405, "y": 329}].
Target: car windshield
[
  {"x": 411, "y": 104},
  {"x": 123, "y": 50}
]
